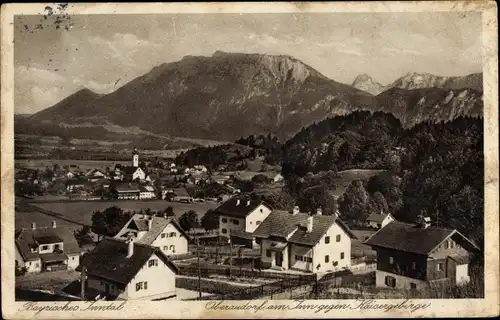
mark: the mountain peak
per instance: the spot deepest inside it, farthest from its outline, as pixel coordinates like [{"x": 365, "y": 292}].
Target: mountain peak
[
  {"x": 415, "y": 80},
  {"x": 366, "y": 83}
]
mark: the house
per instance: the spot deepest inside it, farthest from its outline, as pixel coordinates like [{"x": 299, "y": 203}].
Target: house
[
  {"x": 296, "y": 240},
  {"x": 278, "y": 178},
  {"x": 162, "y": 232},
  {"x": 378, "y": 220},
  {"x": 75, "y": 184},
  {"x": 46, "y": 248},
  {"x": 133, "y": 173},
  {"x": 126, "y": 192},
  {"x": 96, "y": 173},
  {"x": 181, "y": 195},
  {"x": 414, "y": 256},
  {"x": 239, "y": 217},
  {"x": 125, "y": 270},
  {"x": 147, "y": 192},
  {"x": 69, "y": 175}
]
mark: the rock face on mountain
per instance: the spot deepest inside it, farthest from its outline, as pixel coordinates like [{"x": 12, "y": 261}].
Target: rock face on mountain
[
  {"x": 430, "y": 104},
  {"x": 366, "y": 83},
  {"x": 415, "y": 80},
  {"x": 225, "y": 96},
  {"x": 230, "y": 95}
]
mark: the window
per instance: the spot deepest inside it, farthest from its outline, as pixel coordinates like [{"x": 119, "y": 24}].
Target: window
[
  {"x": 162, "y": 235},
  {"x": 57, "y": 247},
  {"x": 138, "y": 286},
  {"x": 257, "y": 223},
  {"x": 439, "y": 267},
  {"x": 224, "y": 230},
  {"x": 145, "y": 285},
  {"x": 338, "y": 238},
  {"x": 391, "y": 260},
  {"x": 153, "y": 263},
  {"x": 308, "y": 259},
  {"x": 165, "y": 248},
  {"x": 327, "y": 239},
  {"x": 261, "y": 210},
  {"x": 446, "y": 244},
  {"x": 413, "y": 265},
  {"x": 413, "y": 285},
  {"x": 224, "y": 220},
  {"x": 45, "y": 247},
  {"x": 390, "y": 281},
  {"x": 172, "y": 248},
  {"x": 452, "y": 244},
  {"x": 327, "y": 258},
  {"x": 268, "y": 253},
  {"x": 297, "y": 258},
  {"x": 37, "y": 265},
  {"x": 173, "y": 234},
  {"x": 72, "y": 258},
  {"x": 235, "y": 222},
  {"x": 341, "y": 255}
]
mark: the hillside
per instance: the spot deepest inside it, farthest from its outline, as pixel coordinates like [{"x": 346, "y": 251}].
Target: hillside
[
  {"x": 225, "y": 96},
  {"x": 230, "y": 95}
]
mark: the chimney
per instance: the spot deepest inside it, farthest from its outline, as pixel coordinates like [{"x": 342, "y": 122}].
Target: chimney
[
  {"x": 150, "y": 223},
  {"x": 238, "y": 202},
  {"x": 309, "y": 224},
  {"x": 319, "y": 212},
  {"x": 295, "y": 210},
  {"x": 54, "y": 224},
  {"x": 130, "y": 250},
  {"x": 336, "y": 214},
  {"x": 33, "y": 225}
]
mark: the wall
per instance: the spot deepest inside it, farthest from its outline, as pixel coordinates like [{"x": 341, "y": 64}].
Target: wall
[
  {"x": 442, "y": 251},
  {"x": 333, "y": 250},
  {"x": 229, "y": 225},
  {"x": 50, "y": 247},
  {"x": 403, "y": 263},
  {"x": 100, "y": 286},
  {"x": 179, "y": 241},
  {"x": 297, "y": 264},
  {"x": 402, "y": 282},
  {"x": 434, "y": 274},
  {"x": 259, "y": 214},
  {"x": 269, "y": 262},
  {"x": 73, "y": 261},
  {"x": 160, "y": 279},
  {"x": 462, "y": 274}
]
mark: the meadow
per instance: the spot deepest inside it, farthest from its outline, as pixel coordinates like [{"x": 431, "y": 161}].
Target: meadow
[{"x": 75, "y": 214}]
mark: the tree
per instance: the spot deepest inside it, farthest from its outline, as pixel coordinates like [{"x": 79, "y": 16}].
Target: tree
[
  {"x": 189, "y": 220},
  {"x": 110, "y": 221},
  {"x": 82, "y": 235},
  {"x": 261, "y": 179},
  {"x": 210, "y": 220},
  {"x": 169, "y": 211}
]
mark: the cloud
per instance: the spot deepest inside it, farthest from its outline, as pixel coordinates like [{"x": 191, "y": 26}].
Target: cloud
[{"x": 392, "y": 51}]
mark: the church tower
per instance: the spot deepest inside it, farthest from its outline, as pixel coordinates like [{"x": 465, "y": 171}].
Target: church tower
[{"x": 135, "y": 158}]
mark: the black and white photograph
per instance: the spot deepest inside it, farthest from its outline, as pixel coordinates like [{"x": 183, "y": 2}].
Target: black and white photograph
[{"x": 223, "y": 156}]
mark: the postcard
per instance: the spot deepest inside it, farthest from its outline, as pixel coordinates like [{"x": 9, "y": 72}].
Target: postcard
[{"x": 249, "y": 160}]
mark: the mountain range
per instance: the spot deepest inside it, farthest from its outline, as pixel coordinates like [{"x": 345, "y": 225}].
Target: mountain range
[{"x": 229, "y": 95}]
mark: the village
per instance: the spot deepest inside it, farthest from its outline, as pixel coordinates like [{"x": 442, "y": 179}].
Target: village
[{"x": 240, "y": 248}]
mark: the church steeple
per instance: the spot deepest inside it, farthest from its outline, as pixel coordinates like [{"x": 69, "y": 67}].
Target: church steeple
[{"x": 135, "y": 158}]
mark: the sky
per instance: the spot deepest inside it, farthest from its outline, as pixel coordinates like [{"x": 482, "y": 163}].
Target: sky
[{"x": 104, "y": 52}]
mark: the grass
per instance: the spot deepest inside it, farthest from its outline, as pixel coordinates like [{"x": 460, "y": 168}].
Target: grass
[
  {"x": 46, "y": 280},
  {"x": 74, "y": 214},
  {"x": 347, "y": 176}
]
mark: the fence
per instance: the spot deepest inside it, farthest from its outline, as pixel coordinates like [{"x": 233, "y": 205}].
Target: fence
[
  {"x": 192, "y": 270},
  {"x": 281, "y": 287}
]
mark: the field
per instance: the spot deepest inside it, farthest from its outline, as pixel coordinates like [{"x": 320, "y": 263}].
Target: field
[
  {"x": 82, "y": 164},
  {"x": 347, "y": 176},
  {"x": 76, "y": 214}
]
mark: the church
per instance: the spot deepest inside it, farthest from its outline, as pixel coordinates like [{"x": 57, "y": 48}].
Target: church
[{"x": 134, "y": 172}]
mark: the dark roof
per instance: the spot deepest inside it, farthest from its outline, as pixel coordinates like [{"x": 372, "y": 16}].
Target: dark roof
[
  {"x": 181, "y": 192},
  {"x": 377, "y": 217},
  {"x": 52, "y": 257},
  {"x": 46, "y": 239},
  {"x": 25, "y": 240},
  {"x": 241, "y": 234},
  {"x": 129, "y": 169},
  {"x": 109, "y": 260},
  {"x": 412, "y": 238},
  {"x": 282, "y": 223},
  {"x": 241, "y": 210}
]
